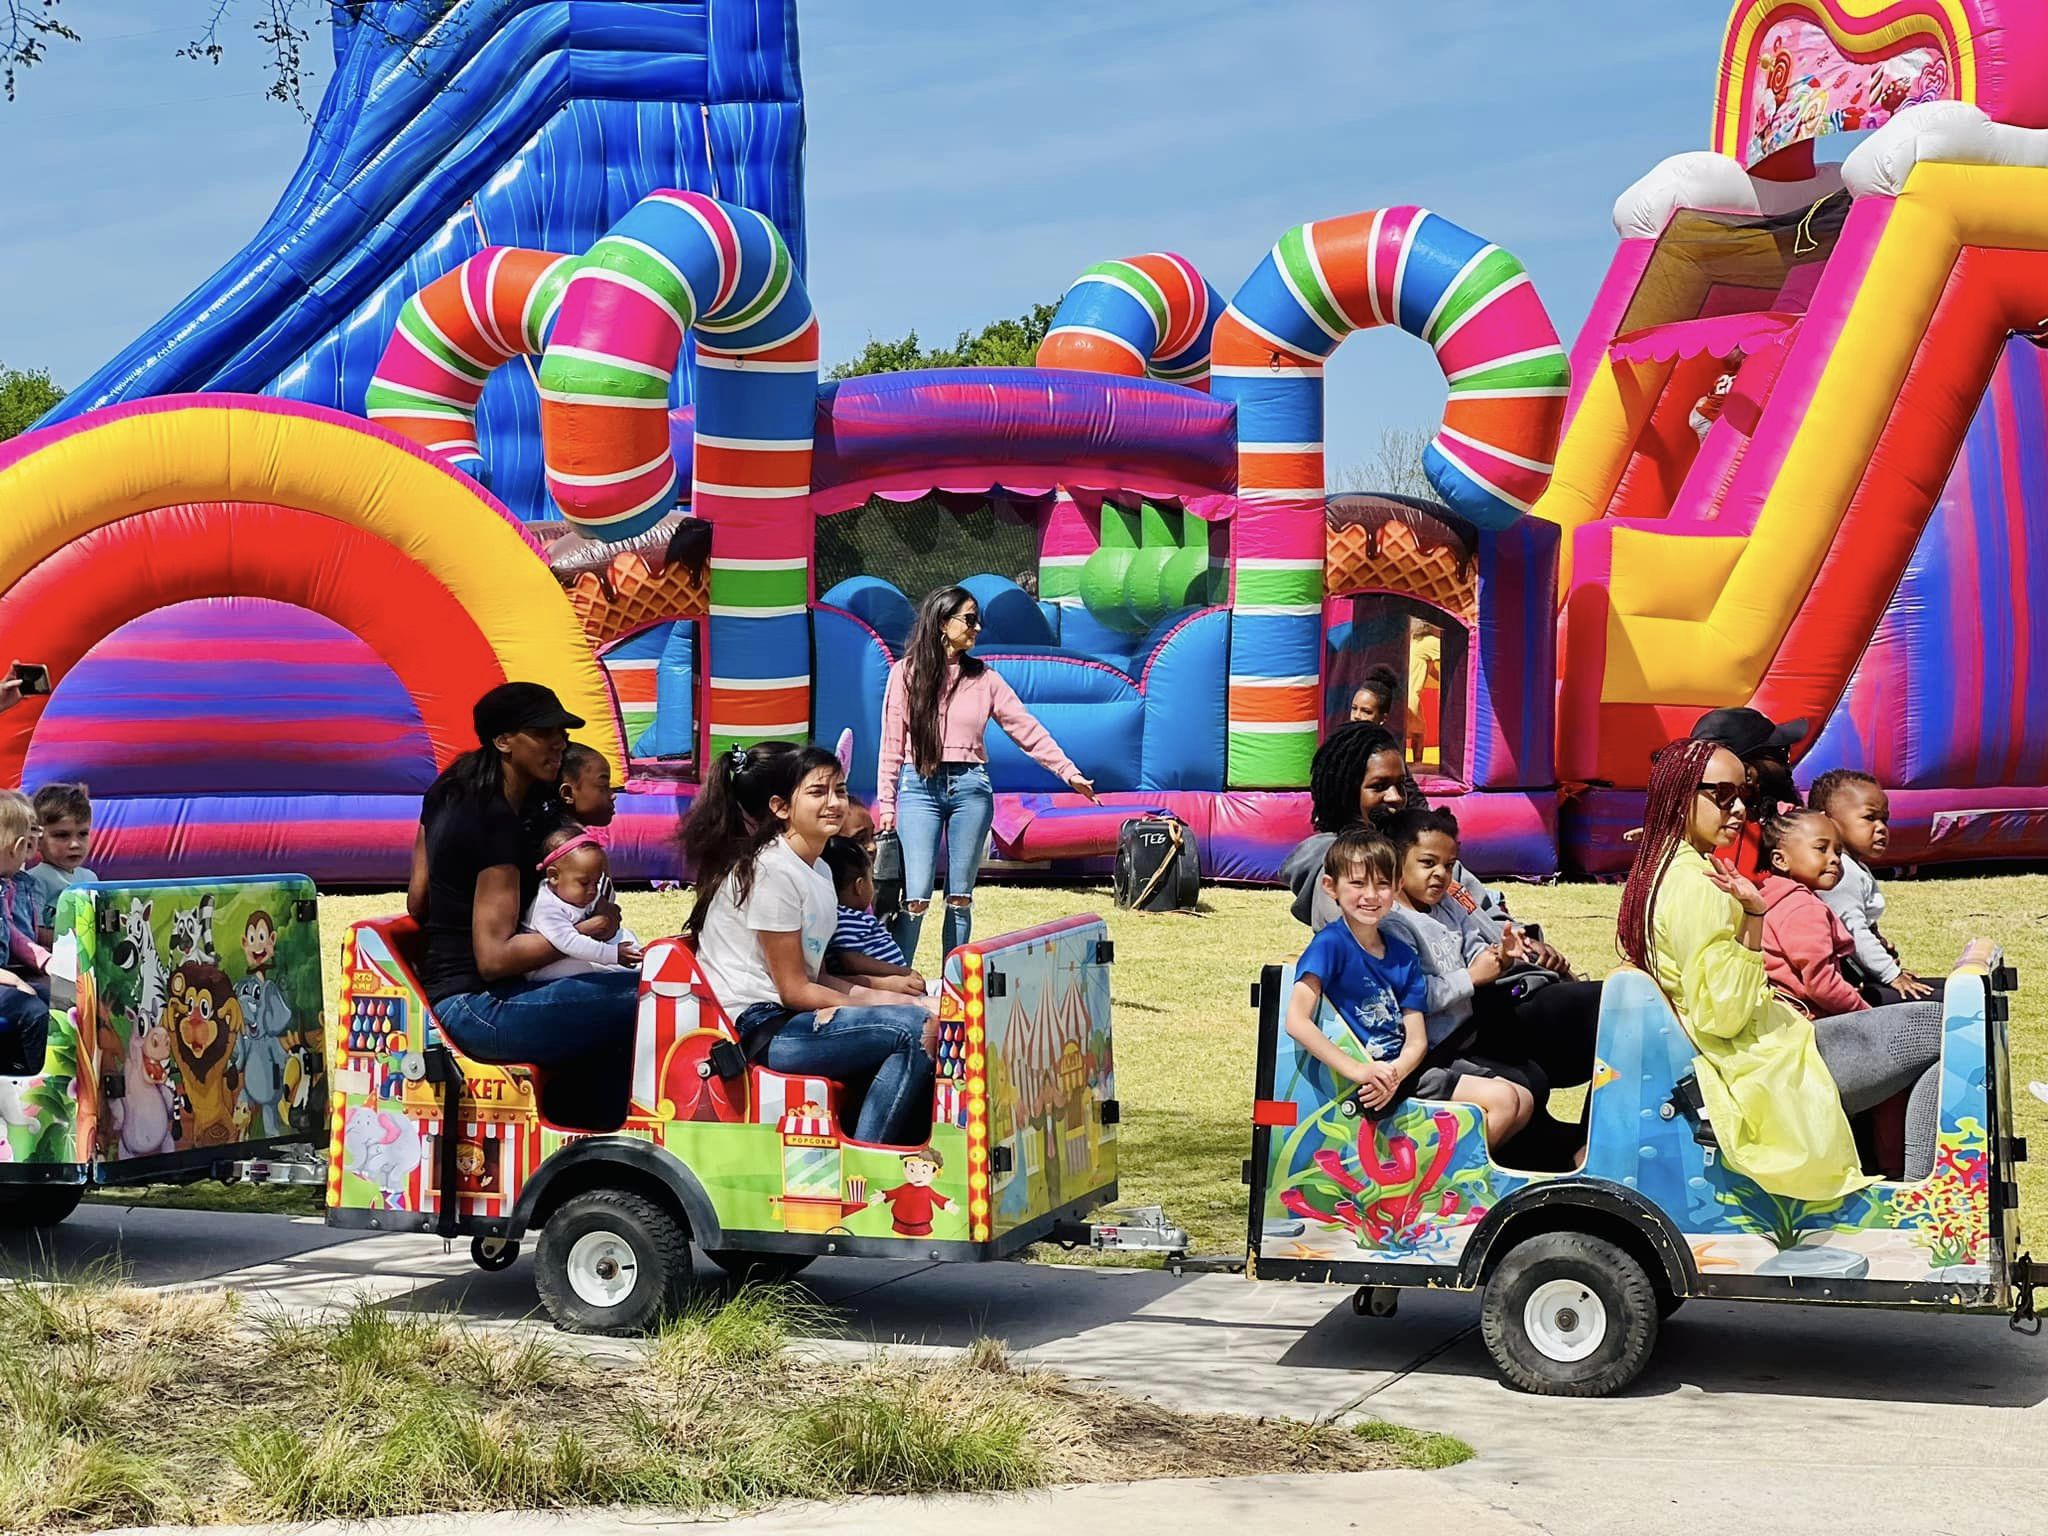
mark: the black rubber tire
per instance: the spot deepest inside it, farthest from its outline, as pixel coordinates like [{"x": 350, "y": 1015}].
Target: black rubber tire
[
  {"x": 1610, "y": 1276},
  {"x": 37, "y": 1205},
  {"x": 493, "y": 1255},
  {"x": 760, "y": 1268},
  {"x": 660, "y": 1245},
  {"x": 1667, "y": 1303}
]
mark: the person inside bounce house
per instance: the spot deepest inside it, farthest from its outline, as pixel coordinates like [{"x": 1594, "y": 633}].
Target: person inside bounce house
[
  {"x": 765, "y": 913},
  {"x": 475, "y": 870},
  {"x": 1538, "y": 1010},
  {"x": 932, "y": 776},
  {"x": 1372, "y": 701},
  {"x": 1778, "y": 1086}
]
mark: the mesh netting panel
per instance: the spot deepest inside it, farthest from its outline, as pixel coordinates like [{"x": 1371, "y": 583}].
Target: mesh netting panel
[
  {"x": 1724, "y": 263},
  {"x": 928, "y": 543}
]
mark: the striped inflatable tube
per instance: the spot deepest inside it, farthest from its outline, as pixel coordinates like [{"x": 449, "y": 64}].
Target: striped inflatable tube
[
  {"x": 1508, "y": 377},
  {"x": 451, "y": 335},
  {"x": 680, "y": 262},
  {"x": 1145, "y": 317},
  {"x": 1148, "y": 316}
]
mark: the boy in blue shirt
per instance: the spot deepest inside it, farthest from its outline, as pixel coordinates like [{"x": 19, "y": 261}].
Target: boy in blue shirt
[{"x": 1354, "y": 975}]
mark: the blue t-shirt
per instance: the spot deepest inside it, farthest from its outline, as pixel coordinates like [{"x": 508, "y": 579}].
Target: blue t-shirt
[{"x": 1368, "y": 994}]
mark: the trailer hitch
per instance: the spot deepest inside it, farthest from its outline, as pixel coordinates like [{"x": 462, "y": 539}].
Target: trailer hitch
[{"x": 2024, "y": 1318}]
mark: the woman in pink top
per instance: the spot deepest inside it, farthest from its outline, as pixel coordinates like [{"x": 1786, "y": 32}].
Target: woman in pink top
[{"x": 933, "y": 776}]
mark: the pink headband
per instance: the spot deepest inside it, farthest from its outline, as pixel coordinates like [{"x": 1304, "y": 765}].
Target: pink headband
[{"x": 589, "y": 837}]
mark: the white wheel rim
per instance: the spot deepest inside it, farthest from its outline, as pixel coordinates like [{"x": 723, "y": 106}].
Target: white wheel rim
[
  {"x": 602, "y": 1269},
  {"x": 1564, "y": 1320},
  {"x": 493, "y": 1248}
]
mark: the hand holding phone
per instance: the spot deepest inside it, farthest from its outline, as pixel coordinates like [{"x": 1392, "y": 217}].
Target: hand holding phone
[{"x": 23, "y": 678}]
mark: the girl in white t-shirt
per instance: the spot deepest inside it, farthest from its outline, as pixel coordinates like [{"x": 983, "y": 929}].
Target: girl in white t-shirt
[{"x": 766, "y": 908}]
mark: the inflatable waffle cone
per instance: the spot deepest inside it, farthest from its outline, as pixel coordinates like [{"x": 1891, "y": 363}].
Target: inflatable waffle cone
[
  {"x": 629, "y": 596},
  {"x": 1438, "y": 574}
]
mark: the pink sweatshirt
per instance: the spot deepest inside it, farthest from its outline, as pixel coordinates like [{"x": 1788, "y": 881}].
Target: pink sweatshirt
[
  {"x": 1804, "y": 947},
  {"x": 969, "y": 704}
]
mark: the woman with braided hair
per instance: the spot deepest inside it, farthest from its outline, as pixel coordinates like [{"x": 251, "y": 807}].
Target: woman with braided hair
[
  {"x": 1357, "y": 776},
  {"x": 1764, "y": 1070}
]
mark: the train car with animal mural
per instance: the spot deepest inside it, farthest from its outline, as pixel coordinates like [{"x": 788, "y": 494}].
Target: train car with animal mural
[
  {"x": 1577, "y": 1270},
  {"x": 696, "y": 1144},
  {"x": 186, "y": 1038}
]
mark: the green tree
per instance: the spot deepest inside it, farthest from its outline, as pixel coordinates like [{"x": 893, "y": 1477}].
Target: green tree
[
  {"x": 1003, "y": 344},
  {"x": 25, "y": 395}
]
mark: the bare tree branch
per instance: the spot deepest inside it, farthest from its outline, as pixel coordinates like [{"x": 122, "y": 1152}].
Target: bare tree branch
[
  {"x": 284, "y": 28},
  {"x": 1395, "y": 468},
  {"x": 27, "y": 28}
]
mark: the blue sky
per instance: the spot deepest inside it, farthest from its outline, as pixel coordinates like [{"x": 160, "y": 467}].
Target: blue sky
[{"x": 965, "y": 161}]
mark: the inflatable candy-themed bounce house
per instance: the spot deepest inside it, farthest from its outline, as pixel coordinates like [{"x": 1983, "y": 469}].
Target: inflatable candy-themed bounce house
[
  {"x": 1805, "y": 464},
  {"x": 522, "y": 379}
]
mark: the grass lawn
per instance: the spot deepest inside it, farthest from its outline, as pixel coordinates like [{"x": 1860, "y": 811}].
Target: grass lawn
[
  {"x": 128, "y": 1407},
  {"x": 1184, "y": 1025}
]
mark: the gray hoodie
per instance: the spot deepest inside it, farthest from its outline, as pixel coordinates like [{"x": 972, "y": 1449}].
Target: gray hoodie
[
  {"x": 1858, "y": 902},
  {"x": 1445, "y": 957}
]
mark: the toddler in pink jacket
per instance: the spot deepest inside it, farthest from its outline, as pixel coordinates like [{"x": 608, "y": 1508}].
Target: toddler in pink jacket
[{"x": 1804, "y": 942}]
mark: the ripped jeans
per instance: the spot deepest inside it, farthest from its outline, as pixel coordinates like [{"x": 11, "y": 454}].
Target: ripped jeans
[{"x": 955, "y": 804}]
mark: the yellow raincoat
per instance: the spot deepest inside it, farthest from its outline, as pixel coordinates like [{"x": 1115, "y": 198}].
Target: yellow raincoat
[{"x": 1774, "y": 1107}]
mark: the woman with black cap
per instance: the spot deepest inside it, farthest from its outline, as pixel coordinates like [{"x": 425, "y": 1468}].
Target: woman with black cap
[
  {"x": 475, "y": 868},
  {"x": 1765, "y": 749}
]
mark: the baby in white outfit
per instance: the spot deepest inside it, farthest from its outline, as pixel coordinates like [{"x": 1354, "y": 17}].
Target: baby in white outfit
[{"x": 575, "y": 882}]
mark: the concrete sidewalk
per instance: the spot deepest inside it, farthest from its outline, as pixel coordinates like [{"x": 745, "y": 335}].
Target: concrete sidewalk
[
  {"x": 1409, "y": 1501},
  {"x": 1803, "y": 1419}
]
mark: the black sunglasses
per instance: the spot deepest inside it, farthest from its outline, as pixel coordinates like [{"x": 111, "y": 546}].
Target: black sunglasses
[
  {"x": 971, "y": 620},
  {"x": 1725, "y": 795}
]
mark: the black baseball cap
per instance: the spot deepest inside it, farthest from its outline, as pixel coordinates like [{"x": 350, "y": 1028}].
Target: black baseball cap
[
  {"x": 520, "y": 707},
  {"x": 1747, "y": 732}
]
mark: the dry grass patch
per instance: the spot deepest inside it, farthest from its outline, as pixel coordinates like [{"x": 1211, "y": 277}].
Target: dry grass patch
[{"x": 121, "y": 1407}]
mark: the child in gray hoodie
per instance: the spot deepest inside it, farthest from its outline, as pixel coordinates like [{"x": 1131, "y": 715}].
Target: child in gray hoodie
[{"x": 1458, "y": 949}]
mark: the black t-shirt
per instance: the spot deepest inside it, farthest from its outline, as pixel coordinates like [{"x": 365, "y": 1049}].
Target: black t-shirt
[{"x": 467, "y": 835}]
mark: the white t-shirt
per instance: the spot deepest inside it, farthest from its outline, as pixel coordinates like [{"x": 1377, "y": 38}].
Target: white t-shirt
[{"x": 789, "y": 896}]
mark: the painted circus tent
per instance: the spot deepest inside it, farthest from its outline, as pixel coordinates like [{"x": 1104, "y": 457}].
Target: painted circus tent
[{"x": 582, "y": 439}]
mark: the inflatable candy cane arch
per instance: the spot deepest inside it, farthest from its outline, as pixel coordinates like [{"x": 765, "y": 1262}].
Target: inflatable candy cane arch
[
  {"x": 1147, "y": 316},
  {"x": 452, "y": 335},
  {"x": 679, "y": 263},
  {"x": 1508, "y": 377}
]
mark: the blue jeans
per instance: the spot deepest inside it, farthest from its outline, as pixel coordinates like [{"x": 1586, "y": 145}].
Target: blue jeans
[
  {"x": 877, "y": 1048},
  {"x": 958, "y": 804},
  {"x": 24, "y": 1034},
  {"x": 584, "y": 1023}
]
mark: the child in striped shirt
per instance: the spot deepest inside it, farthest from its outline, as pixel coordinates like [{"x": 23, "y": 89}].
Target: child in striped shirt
[{"x": 860, "y": 945}]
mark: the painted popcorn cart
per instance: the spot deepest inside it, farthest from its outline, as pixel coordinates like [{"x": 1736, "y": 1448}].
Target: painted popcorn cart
[
  {"x": 696, "y": 1144},
  {"x": 1578, "y": 1269},
  {"x": 186, "y": 1042}
]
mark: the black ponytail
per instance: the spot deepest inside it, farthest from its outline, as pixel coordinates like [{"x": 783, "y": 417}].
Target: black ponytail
[{"x": 730, "y": 822}]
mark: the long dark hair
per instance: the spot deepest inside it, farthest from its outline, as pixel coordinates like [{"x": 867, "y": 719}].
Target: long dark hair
[
  {"x": 1338, "y": 768},
  {"x": 730, "y": 823},
  {"x": 476, "y": 775},
  {"x": 1675, "y": 776},
  {"x": 926, "y": 684}
]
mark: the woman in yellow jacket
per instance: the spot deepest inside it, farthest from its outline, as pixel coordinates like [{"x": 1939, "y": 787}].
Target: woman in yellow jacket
[{"x": 1697, "y": 926}]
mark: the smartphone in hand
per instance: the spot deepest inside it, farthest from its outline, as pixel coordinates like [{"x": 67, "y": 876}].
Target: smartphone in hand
[{"x": 33, "y": 676}]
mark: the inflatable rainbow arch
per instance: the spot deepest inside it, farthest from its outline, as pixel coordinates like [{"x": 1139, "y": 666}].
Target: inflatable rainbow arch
[{"x": 1789, "y": 461}]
